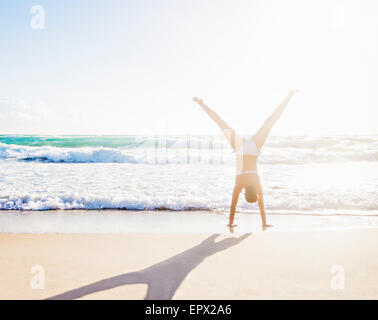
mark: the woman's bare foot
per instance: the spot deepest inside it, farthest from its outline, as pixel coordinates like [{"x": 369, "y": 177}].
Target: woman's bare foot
[{"x": 198, "y": 100}]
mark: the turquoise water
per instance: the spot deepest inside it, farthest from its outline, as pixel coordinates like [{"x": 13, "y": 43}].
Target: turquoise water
[{"x": 72, "y": 141}]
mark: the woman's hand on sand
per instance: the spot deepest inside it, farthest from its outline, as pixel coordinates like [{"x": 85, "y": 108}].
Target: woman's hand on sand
[
  {"x": 198, "y": 100},
  {"x": 266, "y": 226},
  {"x": 231, "y": 227}
]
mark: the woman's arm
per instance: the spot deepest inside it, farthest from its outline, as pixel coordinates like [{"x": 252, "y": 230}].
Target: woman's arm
[
  {"x": 233, "y": 138},
  {"x": 261, "y": 135},
  {"x": 234, "y": 202},
  {"x": 262, "y": 210}
]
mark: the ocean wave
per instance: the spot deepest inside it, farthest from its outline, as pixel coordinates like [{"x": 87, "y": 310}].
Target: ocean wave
[
  {"x": 92, "y": 202},
  {"x": 67, "y": 155},
  {"x": 196, "y": 150},
  {"x": 174, "y": 142},
  {"x": 35, "y": 202}
]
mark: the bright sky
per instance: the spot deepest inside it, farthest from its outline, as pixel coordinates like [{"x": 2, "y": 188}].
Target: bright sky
[{"x": 125, "y": 67}]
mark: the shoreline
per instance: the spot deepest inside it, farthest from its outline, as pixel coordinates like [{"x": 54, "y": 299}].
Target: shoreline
[
  {"x": 168, "y": 222},
  {"x": 211, "y": 211}
]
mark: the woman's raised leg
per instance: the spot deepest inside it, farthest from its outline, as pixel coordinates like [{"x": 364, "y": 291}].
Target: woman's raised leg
[
  {"x": 232, "y": 137},
  {"x": 261, "y": 135}
]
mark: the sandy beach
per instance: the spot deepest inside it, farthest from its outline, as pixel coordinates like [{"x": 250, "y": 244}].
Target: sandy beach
[
  {"x": 135, "y": 134},
  {"x": 260, "y": 265}
]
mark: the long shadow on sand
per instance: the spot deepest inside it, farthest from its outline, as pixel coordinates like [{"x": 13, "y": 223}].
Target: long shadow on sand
[{"x": 162, "y": 278}]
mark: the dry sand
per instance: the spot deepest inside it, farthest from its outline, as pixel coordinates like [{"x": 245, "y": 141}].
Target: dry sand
[{"x": 265, "y": 265}]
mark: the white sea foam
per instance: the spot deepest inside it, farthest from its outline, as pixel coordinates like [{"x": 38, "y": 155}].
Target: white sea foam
[
  {"x": 306, "y": 188},
  {"x": 299, "y": 175}
]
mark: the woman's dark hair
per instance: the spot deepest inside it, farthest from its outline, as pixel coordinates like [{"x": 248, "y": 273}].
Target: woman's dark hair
[{"x": 250, "y": 194}]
